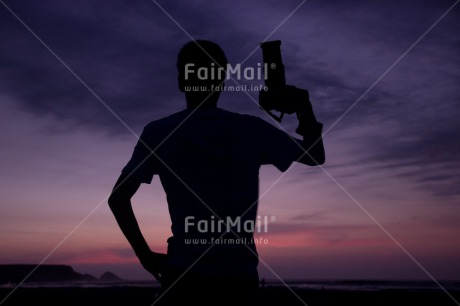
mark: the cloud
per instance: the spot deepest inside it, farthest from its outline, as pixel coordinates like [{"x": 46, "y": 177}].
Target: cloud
[
  {"x": 126, "y": 72},
  {"x": 126, "y": 53}
]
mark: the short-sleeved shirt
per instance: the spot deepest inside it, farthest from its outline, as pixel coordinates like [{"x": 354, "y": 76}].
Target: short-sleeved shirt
[{"x": 208, "y": 162}]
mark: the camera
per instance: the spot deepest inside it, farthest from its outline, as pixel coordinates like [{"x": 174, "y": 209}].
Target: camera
[{"x": 278, "y": 96}]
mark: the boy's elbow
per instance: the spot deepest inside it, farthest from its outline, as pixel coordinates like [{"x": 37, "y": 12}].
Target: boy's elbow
[
  {"x": 115, "y": 201},
  {"x": 313, "y": 161},
  {"x": 112, "y": 201},
  {"x": 316, "y": 158},
  {"x": 317, "y": 161},
  {"x": 320, "y": 160}
]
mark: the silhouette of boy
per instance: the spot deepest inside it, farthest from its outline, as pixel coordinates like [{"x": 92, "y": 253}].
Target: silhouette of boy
[{"x": 208, "y": 162}]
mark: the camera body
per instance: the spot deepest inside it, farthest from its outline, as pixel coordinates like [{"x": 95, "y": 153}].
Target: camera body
[{"x": 279, "y": 97}]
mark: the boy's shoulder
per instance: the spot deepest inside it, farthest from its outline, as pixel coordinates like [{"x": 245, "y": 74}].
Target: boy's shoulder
[{"x": 219, "y": 114}]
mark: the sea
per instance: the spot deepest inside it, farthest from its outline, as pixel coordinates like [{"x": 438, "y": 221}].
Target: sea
[{"x": 340, "y": 285}]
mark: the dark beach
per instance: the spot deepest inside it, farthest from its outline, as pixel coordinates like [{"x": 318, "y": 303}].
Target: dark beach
[{"x": 132, "y": 295}]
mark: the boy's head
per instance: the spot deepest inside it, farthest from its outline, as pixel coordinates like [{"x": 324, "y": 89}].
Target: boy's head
[{"x": 202, "y": 69}]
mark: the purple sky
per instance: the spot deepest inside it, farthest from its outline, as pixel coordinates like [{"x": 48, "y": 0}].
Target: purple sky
[{"x": 396, "y": 153}]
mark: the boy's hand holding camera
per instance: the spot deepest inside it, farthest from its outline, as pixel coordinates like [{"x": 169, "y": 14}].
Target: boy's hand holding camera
[{"x": 288, "y": 99}]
